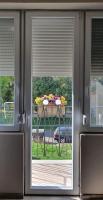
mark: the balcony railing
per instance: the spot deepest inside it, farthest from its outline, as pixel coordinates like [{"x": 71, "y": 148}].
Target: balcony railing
[{"x": 52, "y": 133}]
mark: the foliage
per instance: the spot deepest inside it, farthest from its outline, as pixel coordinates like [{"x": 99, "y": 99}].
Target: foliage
[
  {"x": 7, "y": 88},
  {"x": 60, "y": 86},
  {"x": 52, "y": 151}
]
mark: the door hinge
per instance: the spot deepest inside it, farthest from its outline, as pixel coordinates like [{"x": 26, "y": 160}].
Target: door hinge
[{"x": 21, "y": 118}]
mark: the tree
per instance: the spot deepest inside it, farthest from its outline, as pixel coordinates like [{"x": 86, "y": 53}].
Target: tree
[
  {"x": 7, "y": 88},
  {"x": 56, "y": 85}
]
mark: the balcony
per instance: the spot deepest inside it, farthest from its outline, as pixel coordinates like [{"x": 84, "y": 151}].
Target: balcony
[{"x": 52, "y": 147}]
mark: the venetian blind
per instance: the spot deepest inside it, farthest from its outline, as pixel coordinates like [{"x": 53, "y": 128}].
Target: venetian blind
[
  {"x": 52, "y": 46},
  {"x": 97, "y": 47},
  {"x": 7, "y": 47}
]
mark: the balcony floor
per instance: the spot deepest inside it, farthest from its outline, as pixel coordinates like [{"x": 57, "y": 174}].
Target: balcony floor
[{"x": 52, "y": 173}]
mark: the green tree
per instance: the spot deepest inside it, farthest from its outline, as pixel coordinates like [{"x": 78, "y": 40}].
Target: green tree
[
  {"x": 7, "y": 88},
  {"x": 65, "y": 88},
  {"x": 43, "y": 85},
  {"x": 55, "y": 85}
]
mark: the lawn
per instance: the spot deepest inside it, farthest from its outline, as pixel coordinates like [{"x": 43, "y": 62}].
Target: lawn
[{"x": 51, "y": 151}]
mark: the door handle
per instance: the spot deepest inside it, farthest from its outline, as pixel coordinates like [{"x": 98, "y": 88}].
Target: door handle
[{"x": 84, "y": 120}]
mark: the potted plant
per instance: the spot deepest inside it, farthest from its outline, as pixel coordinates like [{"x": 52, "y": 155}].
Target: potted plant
[{"x": 50, "y": 105}]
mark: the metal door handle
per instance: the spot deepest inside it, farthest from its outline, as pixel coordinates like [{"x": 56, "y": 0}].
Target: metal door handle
[{"x": 84, "y": 120}]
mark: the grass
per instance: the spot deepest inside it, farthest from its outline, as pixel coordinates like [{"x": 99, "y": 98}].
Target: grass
[{"x": 51, "y": 151}]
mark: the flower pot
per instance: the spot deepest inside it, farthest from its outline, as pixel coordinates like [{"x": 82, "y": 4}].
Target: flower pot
[{"x": 51, "y": 110}]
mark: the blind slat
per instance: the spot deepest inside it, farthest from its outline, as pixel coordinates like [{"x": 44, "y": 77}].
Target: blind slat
[
  {"x": 7, "y": 47},
  {"x": 52, "y": 46},
  {"x": 97, "y": 47}
]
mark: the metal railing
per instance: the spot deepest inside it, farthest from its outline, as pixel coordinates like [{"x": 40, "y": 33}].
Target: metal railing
[{"x": 52, "y": 132}]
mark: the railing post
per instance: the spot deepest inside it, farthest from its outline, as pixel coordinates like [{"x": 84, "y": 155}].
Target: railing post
[
  {"x": 59, "y": 130},
  {"x": 44, "y": 110}
]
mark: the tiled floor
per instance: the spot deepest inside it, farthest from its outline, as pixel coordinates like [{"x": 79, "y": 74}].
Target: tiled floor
[{"x": 56, "y": 173}]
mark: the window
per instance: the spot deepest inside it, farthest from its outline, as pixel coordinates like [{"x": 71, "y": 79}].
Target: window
[
  {"x": 94, "y": 68},
  {"x": 9, "y": 70},
  {"x": 96, "y": 88}
]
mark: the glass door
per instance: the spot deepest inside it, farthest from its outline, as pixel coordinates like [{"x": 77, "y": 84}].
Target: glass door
[{"x": 52, "y": 102}]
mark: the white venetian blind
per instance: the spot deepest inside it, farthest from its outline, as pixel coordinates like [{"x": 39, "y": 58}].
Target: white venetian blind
[
  {"x": 7, "y": 47},
  {"x": 52, "y": 46},
  {"x": 97, "y": 47}
]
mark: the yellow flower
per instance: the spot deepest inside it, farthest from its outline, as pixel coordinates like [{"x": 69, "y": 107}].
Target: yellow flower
[
  {"x": 65, "y": 102},
  {"x": 38, "y": 101},
  {"x": 50, "y": 96},
  {"x": 62, "y": 98}
]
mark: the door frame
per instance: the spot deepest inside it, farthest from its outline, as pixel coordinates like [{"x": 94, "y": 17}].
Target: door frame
[{"x": 77, "y": 104}]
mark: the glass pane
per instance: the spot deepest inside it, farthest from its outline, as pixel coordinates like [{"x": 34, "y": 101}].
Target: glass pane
[
  {"x": 52, "y": 64},
  {"x": 7, "y": 71},
  {"x": 96, "y": 78}
]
